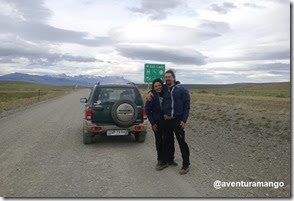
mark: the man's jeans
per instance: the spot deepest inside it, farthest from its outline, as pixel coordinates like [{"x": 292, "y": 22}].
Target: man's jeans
[{"x": 173, "y": 126}]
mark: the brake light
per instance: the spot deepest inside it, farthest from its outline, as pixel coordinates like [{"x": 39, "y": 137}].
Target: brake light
[
  {"x": 144, "y": 113},
  {"x": 96, "y": 129},
  {"x": 89, "y": 113},
  {"x": 139, "y": 128}
]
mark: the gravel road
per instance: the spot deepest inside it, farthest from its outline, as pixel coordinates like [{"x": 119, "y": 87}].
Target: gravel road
[{"x": 42, "y": 155}]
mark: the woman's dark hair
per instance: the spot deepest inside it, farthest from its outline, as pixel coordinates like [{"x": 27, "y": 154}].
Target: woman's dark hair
[
  {"x": 157, "y": 80},
  {"x": 172, "y": 73}
]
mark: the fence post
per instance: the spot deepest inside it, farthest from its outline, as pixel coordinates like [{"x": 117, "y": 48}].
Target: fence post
[{"x": 39, "y": 94}]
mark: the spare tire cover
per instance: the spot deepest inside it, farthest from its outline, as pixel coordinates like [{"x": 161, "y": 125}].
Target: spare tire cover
[{"x": 124, "y": 113}]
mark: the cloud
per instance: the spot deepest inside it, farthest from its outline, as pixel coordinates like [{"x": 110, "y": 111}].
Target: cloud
[
  {"x": 33, "y": 31},
  {"x": 267, "y": 68},
  {"x": 157, "y": 10},
  {"x": 33, "y": 37},
  {"x": 222, "y": 9},
  {"x": 214, "y": 26},
  {"x": 271, "y": 72},
  {"x": 35, "y": 55},
  {"x": 7, "y": 60},
  {"x": 252, "y": 5},
  {"x": 266, "y": 55},
  {"x": 28, "y": 21},
  {"x": 27, "y": 39},
  {"x": 29, "y": 10},
  {"x": 279, "y": 1},
  {"x": 259, "y": 53},
  {"x": 162, "y": 54},
  {"x": 169, "y": 34},
  {"x": 199, "y": 78},
  {"x": 272, "y": 67}
]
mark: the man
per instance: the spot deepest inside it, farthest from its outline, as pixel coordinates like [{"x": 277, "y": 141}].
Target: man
[{"x": 175, "y": 108}]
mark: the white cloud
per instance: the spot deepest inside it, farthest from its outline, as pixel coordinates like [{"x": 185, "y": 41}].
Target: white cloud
[
  {"x": 213, "y": 41},
  {"x": 167, "y": 34},
  {"x": 224, "y": 8},
  {"x": 162, "y": 54},
  {"x": 157, "y": 10}
]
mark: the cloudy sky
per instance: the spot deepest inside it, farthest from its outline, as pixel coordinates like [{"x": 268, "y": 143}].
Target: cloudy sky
[{"x": 211, "y": 41}]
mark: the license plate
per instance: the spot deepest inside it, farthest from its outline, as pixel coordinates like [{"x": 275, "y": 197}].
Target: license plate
[{"x": 117, "y": 132}]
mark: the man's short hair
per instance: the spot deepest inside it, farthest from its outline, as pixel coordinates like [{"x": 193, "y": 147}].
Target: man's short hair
[{"x": 172, "y": 73}]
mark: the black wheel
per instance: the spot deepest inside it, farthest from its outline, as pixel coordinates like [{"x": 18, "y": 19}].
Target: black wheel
[
  {"x": 124, "y": 113},
  {"x": 87, "y": 139},
  {"x": 140, "y": 137}
]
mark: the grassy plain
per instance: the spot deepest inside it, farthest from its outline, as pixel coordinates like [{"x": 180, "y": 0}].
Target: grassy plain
[
  {"x": 259, "y": 108},
  {"x": 274, "y": 90},
  {"x": 17, "y": 94}
]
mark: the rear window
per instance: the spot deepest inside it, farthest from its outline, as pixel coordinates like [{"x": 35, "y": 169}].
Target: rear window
[
  {"x": 106, "y": 95},
  {"x": 90, "y": 94}
]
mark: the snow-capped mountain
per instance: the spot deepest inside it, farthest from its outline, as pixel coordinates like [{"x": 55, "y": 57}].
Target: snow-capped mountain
[{"x": 62, "y": 79}]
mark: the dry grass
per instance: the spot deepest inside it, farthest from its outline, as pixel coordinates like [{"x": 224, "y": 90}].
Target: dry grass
[
  {"x": 266, "y": 116},
  {"x": 17, "y": 94},
  {"x": 266, "y": 104},
  {"x": 258, "y": 115}
]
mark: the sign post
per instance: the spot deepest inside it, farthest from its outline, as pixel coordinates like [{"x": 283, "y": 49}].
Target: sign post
[{"x": 153, "y": 71}]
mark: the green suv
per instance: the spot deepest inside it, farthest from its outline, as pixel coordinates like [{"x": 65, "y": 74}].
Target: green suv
[{"x": 114, "y": 110}]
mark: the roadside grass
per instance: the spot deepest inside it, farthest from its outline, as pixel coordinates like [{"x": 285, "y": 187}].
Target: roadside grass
[
  {"x": 16, "y": 94},
  {"x": 281, "y": 90},
  {"x": 263, "y": 116},
  {"x": 256, "y": 104},
  {"x": 265, "y": 112},
  {"x": 282, "y": 93},
  {"x": 273, "y": 98}
]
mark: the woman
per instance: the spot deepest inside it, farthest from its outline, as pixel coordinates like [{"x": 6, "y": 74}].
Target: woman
[{"x": 154, "y": 114}]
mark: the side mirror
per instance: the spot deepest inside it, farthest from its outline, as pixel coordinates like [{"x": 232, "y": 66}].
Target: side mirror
[{"x": 83, "y": 100}]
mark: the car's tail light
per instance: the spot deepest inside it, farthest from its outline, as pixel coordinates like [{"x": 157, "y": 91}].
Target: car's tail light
[
  {"x": 139, "y": 128},
  {"x": 96, "y": 128},
  {"x": 144, "y": 113},
  {"x": 89, "y": 113}
]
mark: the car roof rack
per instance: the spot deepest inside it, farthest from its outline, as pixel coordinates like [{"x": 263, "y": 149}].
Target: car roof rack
[{"x": 131, "y": 83}]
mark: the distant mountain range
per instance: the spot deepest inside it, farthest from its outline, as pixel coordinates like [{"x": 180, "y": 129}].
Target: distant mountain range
[{"x": 64, "y": 80}]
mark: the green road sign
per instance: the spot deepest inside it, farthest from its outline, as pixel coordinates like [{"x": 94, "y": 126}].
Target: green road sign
[{"x": 153, "y": 71}]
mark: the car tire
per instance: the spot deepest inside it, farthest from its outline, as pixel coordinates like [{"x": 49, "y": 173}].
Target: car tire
[
  {"x": 87, "y": 139},
  {"x": 140, "y": 137},
  {"x": 124, "y": 118}
]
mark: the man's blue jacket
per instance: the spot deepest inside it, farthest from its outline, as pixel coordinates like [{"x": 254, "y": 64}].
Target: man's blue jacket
[{"x": 176, "y": 102}]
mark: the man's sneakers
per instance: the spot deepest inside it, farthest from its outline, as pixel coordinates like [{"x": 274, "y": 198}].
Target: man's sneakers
[
  {"x": 161, "y": 166},
  {"x": 184, "y": 170},
  {"x": 158, "y": 163},
  {"x": 172, "y": 163}
]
